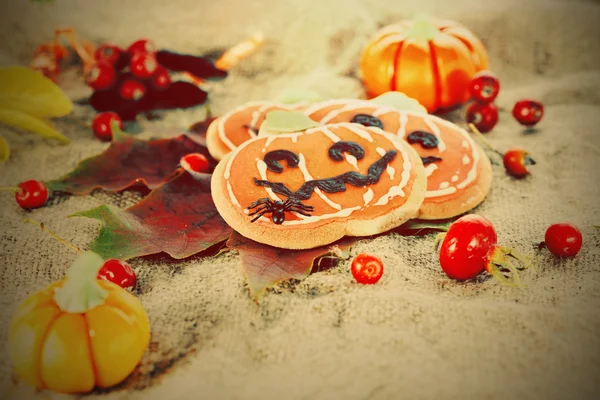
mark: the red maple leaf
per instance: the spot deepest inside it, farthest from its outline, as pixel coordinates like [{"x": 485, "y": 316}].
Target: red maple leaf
[
  {"x": 178, "y": 218},
  {"x": 265, "y": 266},
  {"x": 127, "y": 162}
]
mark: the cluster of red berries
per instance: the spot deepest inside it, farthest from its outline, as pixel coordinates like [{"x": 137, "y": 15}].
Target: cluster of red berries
[
  {"x": 484, "y": 88},
  {"x": 138, "y": 79}
]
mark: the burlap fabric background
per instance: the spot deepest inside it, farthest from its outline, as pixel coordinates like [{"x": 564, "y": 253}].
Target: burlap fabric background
[{"x": 416, "y": 334}]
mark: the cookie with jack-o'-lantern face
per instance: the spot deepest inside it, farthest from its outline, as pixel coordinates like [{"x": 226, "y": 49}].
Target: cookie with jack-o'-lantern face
[
  {"x": 459, "y": 174},
  {"x": 310, "y": 187}
]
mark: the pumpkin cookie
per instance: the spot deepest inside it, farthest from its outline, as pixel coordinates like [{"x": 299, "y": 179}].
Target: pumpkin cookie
[
  {"x": 228, "y": 131},
  {"x": 459, "y": 173},
  {"x": 312, "y": 186}
]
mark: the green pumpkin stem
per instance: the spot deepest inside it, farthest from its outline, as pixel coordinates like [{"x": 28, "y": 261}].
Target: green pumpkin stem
[
  {"x": 422, "y": 28},
  {"x": 80, "y": 291}
]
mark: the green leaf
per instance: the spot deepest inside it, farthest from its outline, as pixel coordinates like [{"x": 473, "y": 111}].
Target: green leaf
[
  {"x": 286, "y": 122},
  {"x": 27, "y": 122},
  {"x": 30, "y": 92},
  {"x": 441, "y": 225},
  {"x": 400, "y": 101}
]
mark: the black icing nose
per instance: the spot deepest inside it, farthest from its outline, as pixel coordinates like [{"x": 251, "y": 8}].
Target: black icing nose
[{"x": 367, "y": 120}]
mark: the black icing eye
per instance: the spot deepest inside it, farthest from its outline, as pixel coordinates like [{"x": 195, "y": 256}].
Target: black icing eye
[
  {"x": 367, "y": 120},
  {"x": 272, "y": 159},
  {"x": 355, "y": 149},
  {"x": 426, "y": 139},
  {"x": 430, "y": 159}
]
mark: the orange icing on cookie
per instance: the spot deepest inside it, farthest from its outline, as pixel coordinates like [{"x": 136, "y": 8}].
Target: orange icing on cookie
[{"x": 364, "y": 202}]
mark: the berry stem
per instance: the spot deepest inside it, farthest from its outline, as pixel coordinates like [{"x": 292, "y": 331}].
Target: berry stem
[
  {"x": 484, "y": 140},
  {"x": 54, "y": 235},
  {"x": 438, "y": 239}
]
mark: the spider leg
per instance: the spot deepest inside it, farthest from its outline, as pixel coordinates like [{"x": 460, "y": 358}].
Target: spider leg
[
  {"x": 300, "y": 212},
  {"x": 261, "y": 201},
  {"x": 259, "y": 210},
  {"x": 303, "y": 206},
  {"x": 259, "y": 215}
]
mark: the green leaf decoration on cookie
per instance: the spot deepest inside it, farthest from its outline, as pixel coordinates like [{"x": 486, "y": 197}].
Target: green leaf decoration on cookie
[
  {"x": 400, "y": 101},
  {"x": 295, "y": 95},
  {"x": 286, "y": 122}
]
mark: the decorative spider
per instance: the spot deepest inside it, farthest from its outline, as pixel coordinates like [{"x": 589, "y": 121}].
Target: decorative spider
[{"x": 278, "y": 209}]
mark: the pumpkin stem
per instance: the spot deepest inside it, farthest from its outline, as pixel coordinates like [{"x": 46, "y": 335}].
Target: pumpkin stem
[
  {"x": 80, "y": 291},
  {"x": 422, "y": 28}
]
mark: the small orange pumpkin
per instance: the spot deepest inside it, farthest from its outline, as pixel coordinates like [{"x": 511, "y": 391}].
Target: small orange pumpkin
[{"x": 427, "y": 59}]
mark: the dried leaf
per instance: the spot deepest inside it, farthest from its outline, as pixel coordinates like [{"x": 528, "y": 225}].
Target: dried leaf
[
  {"x": 265, "y": 266},
  {"x": 178, "y": 218},
  {"x": 127, "y": 162}
]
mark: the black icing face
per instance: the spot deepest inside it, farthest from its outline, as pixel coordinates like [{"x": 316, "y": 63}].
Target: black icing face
[
  {"x": 367, "y": 120},
  {"x": 334, "y": 184}
]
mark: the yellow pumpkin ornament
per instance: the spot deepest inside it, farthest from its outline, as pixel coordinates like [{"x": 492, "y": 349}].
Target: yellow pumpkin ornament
[{"x": 78, "y": 333}]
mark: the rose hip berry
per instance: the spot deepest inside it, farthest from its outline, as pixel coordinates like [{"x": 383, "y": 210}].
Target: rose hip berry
[
  {"x": 132, "y": 90},
  {"x": 528, "y": 112},
  {"x": 195, "y": 163},
  {"x": 119, "y": 272},
  {"x": 516, "y": 161},
  {"x": 161, "y": 79},
  {"x": 143, "y": 65},
  {"x": 483, "y": 116},
  {"x": 141, "y": 46},
  {"x": 101, "y": 125},
  {"x": 484, "y": 87},
  {"x": 33, "y": 194},
  {"x": 367, "y": 268},
  {"x": 563, "y": 240},
  {"x": 101, "y": 76},
  {"x": 109, "y": 53}
]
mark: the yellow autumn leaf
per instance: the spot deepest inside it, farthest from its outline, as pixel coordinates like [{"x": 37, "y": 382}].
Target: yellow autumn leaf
[
  {"x": 20, "y": 120},
  {"x": 4, "y": 150},
  {"x": 28, "y": 91}
]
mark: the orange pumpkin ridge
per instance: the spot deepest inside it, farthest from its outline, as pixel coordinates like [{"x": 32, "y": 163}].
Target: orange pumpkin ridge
[{"x": 429, "y": 60}]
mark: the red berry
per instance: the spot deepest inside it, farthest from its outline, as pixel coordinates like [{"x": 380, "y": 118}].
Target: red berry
[
  {"x": 101, "y": 76},
  {"x": 484, "y": 87},
  {"x": 33, "y": 194},
  {"x": 483, "y": 116},
  {"x": 109, "y": 53},
  {"x": 119, "y": 272},
  {"x": 141, "y": 46},
  {"x": 132, "y": 90},
  {"x": 528, "y": 112},
  {"x": 194, "y": 163},
  {"x": 161, "y": 79},
  {"x": 516, "y": 161},
  {"x": 101, "y": 125},
  {"x": 466, "y": 245},
  {"x": 367, "y": 268},
  {"x": 563, "y": 240},
  {"x": 143, "y": 65}
]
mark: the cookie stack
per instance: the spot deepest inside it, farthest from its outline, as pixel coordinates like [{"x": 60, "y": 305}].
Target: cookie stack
[{"x": 304, "y": 175}]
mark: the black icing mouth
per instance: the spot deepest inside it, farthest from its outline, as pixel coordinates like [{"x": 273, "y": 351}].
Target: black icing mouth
[{"x": 334, "y": 184}]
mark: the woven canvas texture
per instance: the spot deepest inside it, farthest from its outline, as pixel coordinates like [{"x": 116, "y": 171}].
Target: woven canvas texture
[{"x": 416, "y": 334}]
